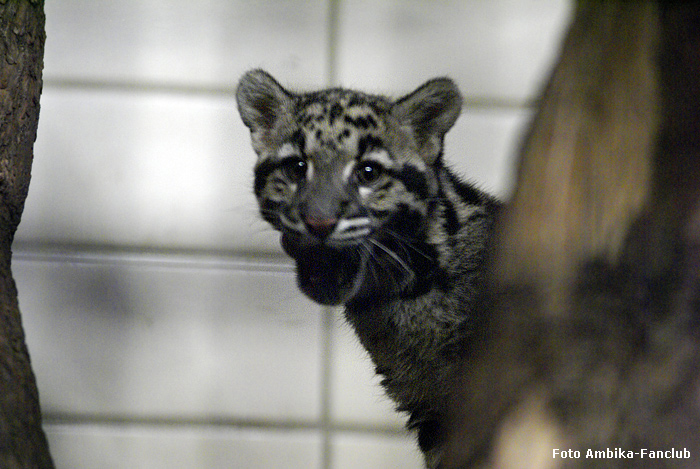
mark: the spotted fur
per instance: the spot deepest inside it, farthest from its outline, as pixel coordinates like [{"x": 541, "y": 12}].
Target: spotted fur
[{"x": 357, "y": 187}]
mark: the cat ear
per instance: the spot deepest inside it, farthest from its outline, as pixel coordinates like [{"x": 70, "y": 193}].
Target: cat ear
[
  {"x": 429, "y": 112},
  {"x": 261, "y": 101}
]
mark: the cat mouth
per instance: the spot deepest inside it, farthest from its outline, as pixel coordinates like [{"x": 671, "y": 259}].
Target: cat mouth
[{"x": 329, "y": 275}]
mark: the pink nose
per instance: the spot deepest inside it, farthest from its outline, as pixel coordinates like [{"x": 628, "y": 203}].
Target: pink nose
[{"x": 320, "y": 228}]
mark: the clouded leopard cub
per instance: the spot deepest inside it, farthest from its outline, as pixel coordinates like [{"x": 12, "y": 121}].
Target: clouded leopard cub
[{"x": 375, "y": 221}]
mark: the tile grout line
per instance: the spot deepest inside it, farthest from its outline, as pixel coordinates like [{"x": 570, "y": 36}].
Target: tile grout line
[
  {"x": 326, "y": 377},
  {"x": 327, "y": 312},
  {"x": 333, "y": 37},
  {"x": 57, "y": 419},
  {"x": 470, "y": 103}
]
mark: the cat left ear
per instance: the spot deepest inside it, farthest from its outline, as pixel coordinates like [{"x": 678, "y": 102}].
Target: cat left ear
[
  {"x": 429, "y": 112},
  {"x": 261, "y": 102}
]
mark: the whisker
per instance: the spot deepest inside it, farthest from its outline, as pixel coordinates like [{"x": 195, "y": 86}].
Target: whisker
[
  {"x": 392, "y": 255},
  {"x": 381, "y": 268},
  {"x": 406, "y": 242},
  {"x": 372, "y": 268}
]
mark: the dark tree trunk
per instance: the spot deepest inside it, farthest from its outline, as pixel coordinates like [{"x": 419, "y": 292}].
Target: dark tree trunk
[{"x": 22, "y": 440}]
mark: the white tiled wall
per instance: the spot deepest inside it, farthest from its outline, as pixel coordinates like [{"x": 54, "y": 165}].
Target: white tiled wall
[{"x": 164, "y": 324}]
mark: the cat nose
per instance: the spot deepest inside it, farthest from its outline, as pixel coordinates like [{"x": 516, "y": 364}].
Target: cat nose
[{"x": 320, "y": 227}]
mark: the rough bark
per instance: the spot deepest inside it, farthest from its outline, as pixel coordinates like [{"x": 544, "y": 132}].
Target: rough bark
[{"x": 22, "y": 441}]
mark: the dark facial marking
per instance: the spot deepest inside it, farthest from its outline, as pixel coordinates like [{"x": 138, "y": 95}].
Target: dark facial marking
[
  {"x": 335, "y": 112},
  {"x": 262, "y": 171},
  {"x": 412, "y": 179},
  {"x": 306, "y": 120},
  {"x": 361, "y": 122},
  {"x": 367, "y": 143},
  {"x": 298, "y": 140},
  {"x": 451, "y": 219}
]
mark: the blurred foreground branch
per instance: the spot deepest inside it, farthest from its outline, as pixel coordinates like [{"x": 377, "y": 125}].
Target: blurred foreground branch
[{"x": 594, "y": 290}]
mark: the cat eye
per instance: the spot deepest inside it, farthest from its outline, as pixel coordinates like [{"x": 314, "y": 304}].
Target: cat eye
[
  {"x": 368, "y": 173},
  {"x": 294, "y": 168}
]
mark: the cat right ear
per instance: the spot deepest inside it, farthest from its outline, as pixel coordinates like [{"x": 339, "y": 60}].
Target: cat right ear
[
  {"x": 429, "y": 112},
  {"x": 261, "y": 101}
]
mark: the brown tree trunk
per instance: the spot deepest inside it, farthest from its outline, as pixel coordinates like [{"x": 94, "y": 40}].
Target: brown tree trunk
[
  {"x": 594, "y": 287},
  {"x": 22, "y": 440}
]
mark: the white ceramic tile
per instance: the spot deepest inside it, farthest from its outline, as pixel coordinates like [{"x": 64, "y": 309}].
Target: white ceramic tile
[
  {"x": 371, "y": 451},
  {"x": 495, "y": 48},
  {"x": 143, "y": 170},
  {"x": 203, "y": 43},
  {"x": 160, "y": 170},
  {"x": 104, "y": 447},
  {"x": 161, "y": 339},
  {"x": 357, "y": 397},
  {"x": 483, "y": 145}
]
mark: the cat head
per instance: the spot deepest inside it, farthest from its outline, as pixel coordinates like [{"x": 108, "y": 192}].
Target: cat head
[{"x": 348, "y": 179}]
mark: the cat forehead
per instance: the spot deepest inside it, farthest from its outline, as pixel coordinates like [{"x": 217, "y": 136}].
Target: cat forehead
[
  {"x": 344, "y": 96},
  {"x": 340, "y": 121},
  {"x": 335, "y": 102},
  {"x": 339, "y": 116}
]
